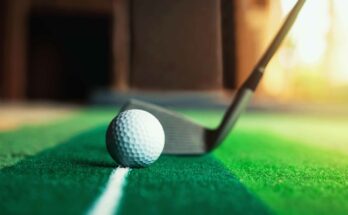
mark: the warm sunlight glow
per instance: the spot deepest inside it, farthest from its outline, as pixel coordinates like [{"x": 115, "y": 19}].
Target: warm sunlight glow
[
  {"x": 310, "y": 31},
  {"x": 313, "y": 61},
  {"x": 339, "y": 42}
]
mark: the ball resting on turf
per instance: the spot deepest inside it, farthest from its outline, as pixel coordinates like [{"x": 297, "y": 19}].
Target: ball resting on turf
[{"x": 135, "y": 138}]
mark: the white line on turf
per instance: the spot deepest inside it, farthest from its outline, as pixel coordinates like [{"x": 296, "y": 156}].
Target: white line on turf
[{"x": 108, "y": 202}]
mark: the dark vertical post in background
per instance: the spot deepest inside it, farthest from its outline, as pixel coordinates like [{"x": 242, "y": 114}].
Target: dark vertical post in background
[
  {"x": 2, "y": 31},
  {"x": 121, "y": 44},
  {"x": 229, "y": 46},
  {"x": 15, "y": 49}
]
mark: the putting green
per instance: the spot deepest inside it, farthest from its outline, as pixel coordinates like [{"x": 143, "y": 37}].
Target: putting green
[
  {"x": 289, "y": 174},
  {"x": 29, "y": 140},
  {"x": 270, "y": 164}
]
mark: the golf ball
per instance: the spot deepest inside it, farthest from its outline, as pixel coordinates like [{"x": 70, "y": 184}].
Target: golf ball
[{"x": 135, "y": 138}]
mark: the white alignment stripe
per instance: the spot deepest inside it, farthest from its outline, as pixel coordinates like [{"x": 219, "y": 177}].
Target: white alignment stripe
[{"x": 108, "y": 202}]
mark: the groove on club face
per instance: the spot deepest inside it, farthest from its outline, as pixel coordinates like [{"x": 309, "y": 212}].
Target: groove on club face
[{"x": 182, "y": 136}]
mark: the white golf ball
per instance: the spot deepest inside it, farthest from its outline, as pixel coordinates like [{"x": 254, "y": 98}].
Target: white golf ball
[{"x": 135, "y": 138}]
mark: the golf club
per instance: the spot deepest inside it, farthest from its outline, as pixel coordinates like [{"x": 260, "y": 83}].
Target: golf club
[{"x": 185, "y": 137}]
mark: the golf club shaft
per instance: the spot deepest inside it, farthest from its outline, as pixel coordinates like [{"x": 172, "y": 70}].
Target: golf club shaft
[{"x": 246, "y": 91}]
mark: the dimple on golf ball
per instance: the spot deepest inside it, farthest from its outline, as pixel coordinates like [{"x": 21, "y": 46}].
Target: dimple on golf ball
[{"x": 135, "y": 138}]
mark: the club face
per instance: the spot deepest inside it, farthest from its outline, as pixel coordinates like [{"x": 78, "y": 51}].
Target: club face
[{"x": 182, "y": 136}]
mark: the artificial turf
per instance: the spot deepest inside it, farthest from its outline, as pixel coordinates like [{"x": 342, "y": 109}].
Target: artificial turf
[
  {"x": 188, "y": 185},
  {"x": 28, "y": 140},
  {"x": 268, "y": 165},
  {"x": 61, "y": 180},
  {"x": 288, "y": 175}
]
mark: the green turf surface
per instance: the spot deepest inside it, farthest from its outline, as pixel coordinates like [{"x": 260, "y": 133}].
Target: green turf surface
[
  {"x": 29, "y": 140},
  {"x": 290, "y": 177},
  {"x": 62, "y": 180},
  {"x": 188, "y": 185},
  {"x": 270, "y": 164}
]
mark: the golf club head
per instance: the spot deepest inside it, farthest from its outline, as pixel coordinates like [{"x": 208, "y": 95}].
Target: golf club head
[{"x": 182, "y": 136}]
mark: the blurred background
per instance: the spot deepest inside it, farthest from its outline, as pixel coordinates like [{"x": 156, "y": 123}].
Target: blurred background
[{"x": 105, "y": 51}]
